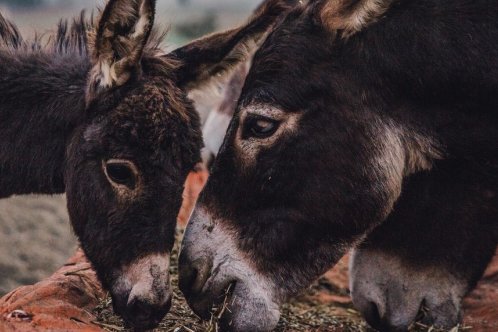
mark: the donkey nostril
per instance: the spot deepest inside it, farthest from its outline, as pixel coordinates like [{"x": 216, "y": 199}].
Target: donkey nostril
[
  {"x": 372, "y": 316},
  {"x": 141, "y": 311},
  {"x": 142, "y": 315},
  {"x": 187, "y": 277},
  {"x": 193, "y": 276}
]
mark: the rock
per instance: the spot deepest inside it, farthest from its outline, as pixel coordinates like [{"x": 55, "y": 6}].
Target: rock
[
  {"x": 193, "y": 187},
  {"x": 481, "y": 306},
  {"x": 336, "y": 284},
  {"x": 339, "y": 274},
  {"x": 62, "y": 302}
]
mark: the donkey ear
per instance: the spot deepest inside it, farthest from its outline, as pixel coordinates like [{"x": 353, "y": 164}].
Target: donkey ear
[
  {"x": 118, "y": 43},
  {"x": 219, "y": 54},
  {"x": 350, "y": 16}
]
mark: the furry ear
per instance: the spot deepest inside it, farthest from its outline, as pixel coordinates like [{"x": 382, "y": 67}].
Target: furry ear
[
  {"x": 219, "y": 53},
  {"x": 118, "y": 43},
  {"x": 351, "y": 16}
]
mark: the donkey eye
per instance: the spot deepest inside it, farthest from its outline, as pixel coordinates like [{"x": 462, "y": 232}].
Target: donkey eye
[
  {"x": 121, "y": 173},
  {"x": 260, "y": 127}
]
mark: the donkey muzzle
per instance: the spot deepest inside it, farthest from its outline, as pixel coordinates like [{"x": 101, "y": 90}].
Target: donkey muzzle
[
  {"x": 391, "y": 294},
  {"x": 213, "y": 271},
  {"x": 142, "y": 294}
]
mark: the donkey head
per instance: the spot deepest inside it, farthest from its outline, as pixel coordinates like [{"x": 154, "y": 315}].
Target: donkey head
[
  {"x": 126, "y": 166},
  {"x": 309, "y": 166}
]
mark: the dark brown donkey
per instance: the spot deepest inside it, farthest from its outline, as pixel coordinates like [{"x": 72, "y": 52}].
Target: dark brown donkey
[
  {"x": 356, "y": 114},
  {"x": 107, "y": 121},
  {"x": 110, "y": 128}
]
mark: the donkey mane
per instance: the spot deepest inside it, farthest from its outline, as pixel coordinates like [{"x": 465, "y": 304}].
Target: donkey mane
[{"x": 69, "y": 37}]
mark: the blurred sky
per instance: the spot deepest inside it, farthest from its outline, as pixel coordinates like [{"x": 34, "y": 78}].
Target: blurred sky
[{"x": 42, "y": 15}]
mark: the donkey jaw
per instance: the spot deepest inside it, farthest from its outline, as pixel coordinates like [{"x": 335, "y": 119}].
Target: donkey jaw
[
  {"x": 214, "y": 272},
  {"x": 142, "y": 292}
]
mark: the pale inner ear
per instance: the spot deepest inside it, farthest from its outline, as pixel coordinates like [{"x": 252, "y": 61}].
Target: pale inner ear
[
  {"x": 351, "y": 16},
  {"x": 118, "y": 43}
]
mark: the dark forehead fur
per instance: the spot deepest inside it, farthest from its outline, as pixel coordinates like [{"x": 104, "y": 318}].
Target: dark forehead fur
[
  {"x": 157, "y": 113},
  {"x": 287, "y": 47}
]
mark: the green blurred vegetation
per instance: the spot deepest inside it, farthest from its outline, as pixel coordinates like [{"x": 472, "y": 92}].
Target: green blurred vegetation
[
  {"x": 22, "y": 3},
  {"x": 197, "y": 27}
]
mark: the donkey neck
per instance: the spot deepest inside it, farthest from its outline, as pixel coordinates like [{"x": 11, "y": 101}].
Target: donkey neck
[
  {"x": 41, "y": 103},
  {"x": 436, "y": 66}
]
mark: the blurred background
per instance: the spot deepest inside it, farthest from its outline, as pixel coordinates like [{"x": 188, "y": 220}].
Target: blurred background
[
  {"x": 187, "y": 19},
  {"x": 35, "y": 234}
]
